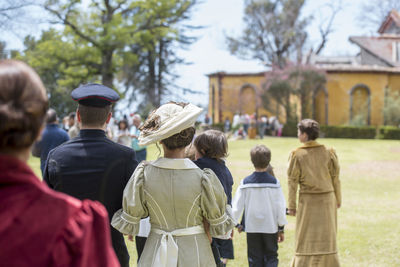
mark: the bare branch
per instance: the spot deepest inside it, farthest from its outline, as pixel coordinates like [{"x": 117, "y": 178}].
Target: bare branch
[
  {"x": 64, "y": 20},
  {"x": 325, "y": 31}
]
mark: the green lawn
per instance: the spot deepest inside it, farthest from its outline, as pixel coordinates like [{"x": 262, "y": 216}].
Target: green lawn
[{"x": 369, "y": 228}]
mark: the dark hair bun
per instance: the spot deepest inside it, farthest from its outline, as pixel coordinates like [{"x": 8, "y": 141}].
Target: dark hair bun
[{"x": 23, "y": 105}]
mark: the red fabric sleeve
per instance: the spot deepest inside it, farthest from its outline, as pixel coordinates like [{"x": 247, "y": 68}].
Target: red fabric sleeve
[{"x": 86, "y": 240}]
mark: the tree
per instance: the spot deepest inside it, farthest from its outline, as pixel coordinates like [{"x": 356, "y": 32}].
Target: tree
[
  {"x": 279, "y": 88},
  {"x": 3, "y": 51},
  {"x": 374, "y": 12},
  {"x": 153, "y": 74},
  {"x": 325, "y": 28},
  {"x": 297, "y": 80},
  {"x": 10, "y": 11},
  {"x": 391, "y": 110},
  {"x": 272, "y": 29},
  {"x": 306, "y": 81},
  {"x": 111, "y": 26},
  {"x": 275, "y": 32},
  {"x": 58, "y": 60}
]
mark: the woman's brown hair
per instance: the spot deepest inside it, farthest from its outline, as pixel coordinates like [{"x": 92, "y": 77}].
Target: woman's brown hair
[
  {"x": 212, "y": 144},
  {"x": 180, "y": 140},
  {"x": 310, "y": 127},
  {"x": 23, "y": 105}
]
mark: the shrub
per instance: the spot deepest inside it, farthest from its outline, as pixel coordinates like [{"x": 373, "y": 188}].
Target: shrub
[
  {"x": 218, "y": 126},
  {"x": 290, "y": 129},
  {"x": 391, "y": 110},
  {"x": 388, "y": 132},
  {"x": 344, "y": 131}
]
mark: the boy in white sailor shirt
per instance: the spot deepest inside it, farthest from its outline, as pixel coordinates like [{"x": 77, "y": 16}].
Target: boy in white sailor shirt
[{"x": 261, "y": 198}]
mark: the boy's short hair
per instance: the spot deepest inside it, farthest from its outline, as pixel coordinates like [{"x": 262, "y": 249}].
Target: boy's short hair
[
  {"x": 310, "y": 127},
  {"x": 212, "y": 144},
  {"x": 93, "y": 116},
  {"x": 260, "y": 156}
]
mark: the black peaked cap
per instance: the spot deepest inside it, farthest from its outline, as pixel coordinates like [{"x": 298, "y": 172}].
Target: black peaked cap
[{"x": 94, "y": 95}]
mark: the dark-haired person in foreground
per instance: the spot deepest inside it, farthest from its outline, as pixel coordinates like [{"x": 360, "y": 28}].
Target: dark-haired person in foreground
[
  {"x": 91, "y": 165},
  {"x": 211, "y": 150},
  {"x": 51, "y": 137},
  {"x": 38, "y": 226},
  {"x": 316, "y": 169},
  {"x": 175, "y": 194}
]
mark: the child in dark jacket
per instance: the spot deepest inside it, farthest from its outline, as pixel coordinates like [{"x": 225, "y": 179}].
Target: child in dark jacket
[{"x": 211, "y": 147}]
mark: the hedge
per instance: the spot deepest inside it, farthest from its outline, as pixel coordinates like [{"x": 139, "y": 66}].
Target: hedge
[
  {"x": 344, "y": 131},
  {"x": 388, "y": 132},
  {"x": 340, "y": 131},
  {"x": 218, "y": 126},
  {"x": 290, "y": 129}
]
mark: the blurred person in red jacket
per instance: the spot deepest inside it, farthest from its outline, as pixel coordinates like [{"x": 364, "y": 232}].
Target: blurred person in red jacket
[{"x": 38, "y": 226}]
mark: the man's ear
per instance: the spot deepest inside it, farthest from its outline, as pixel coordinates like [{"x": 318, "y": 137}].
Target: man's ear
[
  {"x": 109, "y": 117},
  {"x": 78, "y": 116}
]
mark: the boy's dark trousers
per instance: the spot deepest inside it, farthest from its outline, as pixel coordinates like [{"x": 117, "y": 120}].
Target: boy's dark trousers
[{"x": 262, "y": 249}]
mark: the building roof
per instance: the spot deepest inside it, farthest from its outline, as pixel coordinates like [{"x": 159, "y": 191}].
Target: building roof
[
  {"x": 379, "y": 46},
  {"x": 361, "y": 68},
  {"x": 392, "y": 17},
  {"x": 238, "y": 74},
  {"x": 328, "y": 69},
  {"x": 321, "y": 61}
]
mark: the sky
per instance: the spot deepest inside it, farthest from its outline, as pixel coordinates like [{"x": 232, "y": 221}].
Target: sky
[
  {"x": 210, "y": 54},
  {"x": 220, "y": 17}
]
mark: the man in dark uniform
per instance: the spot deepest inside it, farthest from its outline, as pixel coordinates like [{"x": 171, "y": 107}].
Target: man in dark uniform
[{"x": 91, "y": 166}]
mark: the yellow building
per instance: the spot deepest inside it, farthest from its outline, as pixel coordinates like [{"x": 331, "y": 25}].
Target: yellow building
[{"x": 356, "y": 87}]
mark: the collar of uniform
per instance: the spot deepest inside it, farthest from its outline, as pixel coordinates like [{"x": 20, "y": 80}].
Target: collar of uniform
[
  {"x": 312, "y": 143},
  {"x": 92, "y": 133},
  {"x": 174, "y": 164}
]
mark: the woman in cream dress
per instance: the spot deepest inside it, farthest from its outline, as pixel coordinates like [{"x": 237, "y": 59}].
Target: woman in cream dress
[{"x": 175, "y": 194}]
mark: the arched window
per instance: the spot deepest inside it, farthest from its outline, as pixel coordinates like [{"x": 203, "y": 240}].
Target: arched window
[
  {"x": 248, "y": 99},
  {"x": 360, "y": 105},
  {"x": 320, "y": 106}
]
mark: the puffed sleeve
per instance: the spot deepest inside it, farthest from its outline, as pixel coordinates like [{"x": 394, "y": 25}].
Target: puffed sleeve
[
  {"x": 85, "y": 241},
  {"x": 334, "y": 170},
  {"x": 127, "y": 219},
  {"x": 213, "y": 204},
  {"x": 294, "y": 173}
]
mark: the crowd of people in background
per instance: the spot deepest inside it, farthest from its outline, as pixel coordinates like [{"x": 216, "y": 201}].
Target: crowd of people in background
[
  {"x": 124, "y": 131},
  {"x": 245, "y": 126}
]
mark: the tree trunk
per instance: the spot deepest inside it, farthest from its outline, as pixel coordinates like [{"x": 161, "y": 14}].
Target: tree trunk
[
  {"x": 107, "y": 75},
  {"x": 160, "y": 72},
  {"x": 152, "y": 79}
]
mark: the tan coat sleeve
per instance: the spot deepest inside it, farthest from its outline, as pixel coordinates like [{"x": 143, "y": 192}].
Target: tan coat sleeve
[
  {"x": 334, "y": 170},
  {"x": 294, "y": 174}
]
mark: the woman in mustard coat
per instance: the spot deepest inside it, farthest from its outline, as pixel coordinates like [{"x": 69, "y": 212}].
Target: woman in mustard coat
[{"x": 315, "y": 169}]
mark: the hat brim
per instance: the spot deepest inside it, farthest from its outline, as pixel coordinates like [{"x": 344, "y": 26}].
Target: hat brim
[{"x": 178, "y": 122}]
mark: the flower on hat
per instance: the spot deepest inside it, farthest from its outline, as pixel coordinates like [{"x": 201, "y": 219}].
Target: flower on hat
[{"x": 167, "y": 120}]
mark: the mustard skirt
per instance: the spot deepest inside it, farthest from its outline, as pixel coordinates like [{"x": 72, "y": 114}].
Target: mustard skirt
[{"x": 316, "y": 228}]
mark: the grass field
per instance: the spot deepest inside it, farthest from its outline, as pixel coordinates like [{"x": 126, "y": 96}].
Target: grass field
[{"x": 369, "y": 219}]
